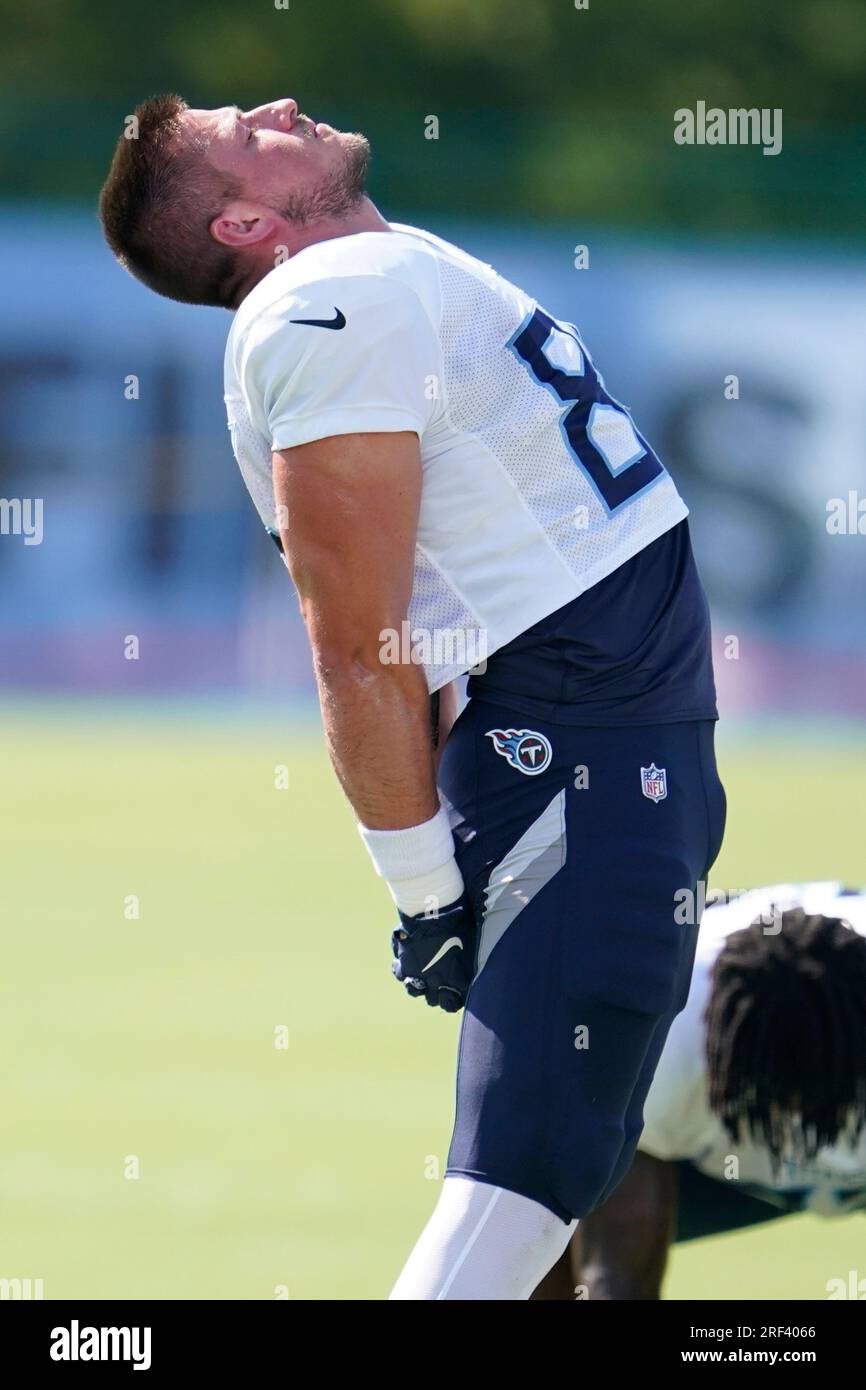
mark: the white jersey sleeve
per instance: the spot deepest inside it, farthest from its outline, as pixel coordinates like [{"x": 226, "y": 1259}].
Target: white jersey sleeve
[{"x": 346, "y": 356}]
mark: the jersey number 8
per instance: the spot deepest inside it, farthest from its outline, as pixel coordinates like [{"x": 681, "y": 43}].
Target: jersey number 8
[{"x": 599, "y": 434}]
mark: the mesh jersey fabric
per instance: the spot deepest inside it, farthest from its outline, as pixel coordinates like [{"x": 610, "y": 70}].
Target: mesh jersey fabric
[{"x": 513, "y": 524}]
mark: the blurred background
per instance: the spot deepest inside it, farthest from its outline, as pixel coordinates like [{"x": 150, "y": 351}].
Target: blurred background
[{"x": 145, "y": 770}]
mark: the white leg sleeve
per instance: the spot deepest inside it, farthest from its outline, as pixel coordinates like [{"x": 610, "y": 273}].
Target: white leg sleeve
[{"x": 483, "y": 1243}]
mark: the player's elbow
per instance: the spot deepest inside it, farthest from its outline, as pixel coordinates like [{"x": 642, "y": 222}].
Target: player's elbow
[
  {"x": 354, "y": 663},
  {"x": 347, "y": 647}
]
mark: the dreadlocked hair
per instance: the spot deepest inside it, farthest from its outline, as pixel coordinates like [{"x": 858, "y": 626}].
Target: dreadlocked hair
[{"x": 786, "y": 1034}]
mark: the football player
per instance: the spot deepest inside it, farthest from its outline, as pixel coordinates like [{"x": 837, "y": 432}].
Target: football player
[
  {"x": 758, "y": 1104},
  {"x": 439, "y": 457}
]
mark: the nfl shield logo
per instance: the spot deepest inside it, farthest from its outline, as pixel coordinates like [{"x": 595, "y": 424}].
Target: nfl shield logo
[{"x": 654, "y": 782}]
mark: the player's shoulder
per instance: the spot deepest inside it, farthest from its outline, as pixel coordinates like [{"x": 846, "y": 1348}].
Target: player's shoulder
[{"x": 370, "y": 272}]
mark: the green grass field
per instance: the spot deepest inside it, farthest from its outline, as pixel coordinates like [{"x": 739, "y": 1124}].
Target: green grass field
[{"x": 311, "y": 1167}]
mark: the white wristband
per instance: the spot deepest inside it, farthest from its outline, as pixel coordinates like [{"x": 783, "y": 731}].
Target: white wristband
[{"x": 417, "y": 864}]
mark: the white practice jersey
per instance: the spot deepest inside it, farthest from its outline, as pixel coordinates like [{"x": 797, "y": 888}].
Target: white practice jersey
[
  {"x": 536, "y": 484},
  {"x": 678, "y": 1120}
]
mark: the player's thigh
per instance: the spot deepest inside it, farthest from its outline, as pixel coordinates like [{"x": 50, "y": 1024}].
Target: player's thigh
[
  {"x": 648, "y": 862},
  {"x": 546, "y": 1072},
  {"x": 574, "y": 870}
]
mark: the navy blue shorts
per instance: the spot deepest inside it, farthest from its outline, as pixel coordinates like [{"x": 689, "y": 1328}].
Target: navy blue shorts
[{"x": 577, "y": 846}]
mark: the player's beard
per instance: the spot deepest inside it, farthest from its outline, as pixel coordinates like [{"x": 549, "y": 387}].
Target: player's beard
[{"x": 339, "y": 192}]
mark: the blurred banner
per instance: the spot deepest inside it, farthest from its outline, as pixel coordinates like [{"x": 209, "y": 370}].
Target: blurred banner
[{"x": 132, "y": 561}]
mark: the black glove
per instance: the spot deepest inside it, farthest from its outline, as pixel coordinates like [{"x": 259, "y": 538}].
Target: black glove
[{"x": 435, "y": 955}]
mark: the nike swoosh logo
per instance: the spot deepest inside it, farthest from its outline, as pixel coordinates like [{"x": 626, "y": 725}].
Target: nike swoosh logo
[
  {"x": 338, "y": 322},
  {"x": 452, "y": 941}
]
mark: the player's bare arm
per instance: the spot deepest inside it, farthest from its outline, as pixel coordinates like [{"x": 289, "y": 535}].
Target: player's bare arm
[
  {"x": 624, "y": 1244},
  {"x": 348, "y": 513},
  {"x": 347, "y": 508}
]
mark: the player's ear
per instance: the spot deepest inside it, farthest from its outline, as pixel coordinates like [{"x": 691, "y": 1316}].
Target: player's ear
[{"x": 243, "y": 224}]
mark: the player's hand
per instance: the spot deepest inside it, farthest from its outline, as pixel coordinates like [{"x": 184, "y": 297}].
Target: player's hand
[{"x": 435, "y": 954}]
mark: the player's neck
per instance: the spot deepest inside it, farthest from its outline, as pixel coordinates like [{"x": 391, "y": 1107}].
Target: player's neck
[{"x": 366, "y": 217}]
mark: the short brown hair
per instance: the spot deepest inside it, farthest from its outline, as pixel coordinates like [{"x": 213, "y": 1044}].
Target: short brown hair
[{"x": 157, "y": 204}]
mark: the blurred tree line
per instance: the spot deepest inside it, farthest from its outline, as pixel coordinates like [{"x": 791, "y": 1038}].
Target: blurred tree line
[{"x": 544, "y": 110}]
